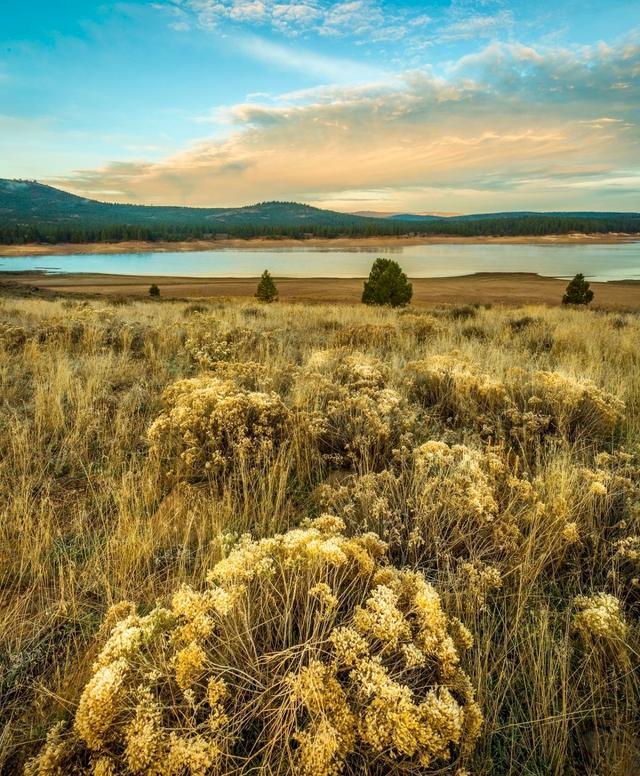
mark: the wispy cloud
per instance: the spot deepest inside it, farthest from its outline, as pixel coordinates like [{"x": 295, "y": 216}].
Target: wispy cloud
[
  {"x": 477, "y": 26},
  {"x": 336, "y": 70}
]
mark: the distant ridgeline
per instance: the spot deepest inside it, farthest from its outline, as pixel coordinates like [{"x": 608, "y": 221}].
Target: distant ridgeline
[{"x": 32, "y": 212}]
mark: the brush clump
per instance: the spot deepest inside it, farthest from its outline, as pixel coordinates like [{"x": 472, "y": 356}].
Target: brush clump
[
  {"x": 210, "y": 424},
  {"x": 363, "y": 419},
  {"x": 306, "y": 650},
  {"x": 438, "y": 501}
]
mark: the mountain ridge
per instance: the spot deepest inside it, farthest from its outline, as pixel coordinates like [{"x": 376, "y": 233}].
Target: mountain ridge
[{"x": 35, "y": 212}]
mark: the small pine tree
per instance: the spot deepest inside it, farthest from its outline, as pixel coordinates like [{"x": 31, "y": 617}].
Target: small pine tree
[
  {"x": 267, "y": 291},
  {"x": 387, "y": 284},
  {"x": 154, "y": 290},
  {"x": 578, "y": 291}
]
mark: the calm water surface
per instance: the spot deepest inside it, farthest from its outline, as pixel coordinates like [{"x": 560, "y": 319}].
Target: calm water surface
[{"x": 598, "y": 262}]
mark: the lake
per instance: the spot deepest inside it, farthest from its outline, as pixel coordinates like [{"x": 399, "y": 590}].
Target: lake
[{"x": 618, "y": 261}]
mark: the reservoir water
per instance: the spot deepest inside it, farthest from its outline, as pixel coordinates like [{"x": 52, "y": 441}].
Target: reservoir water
[{"x": 619, "y": 261}]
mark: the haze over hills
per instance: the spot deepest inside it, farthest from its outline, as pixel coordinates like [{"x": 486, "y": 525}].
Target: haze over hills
[
  {"x": 34, "y": 212},
  {"x": 384, "y": 214}
]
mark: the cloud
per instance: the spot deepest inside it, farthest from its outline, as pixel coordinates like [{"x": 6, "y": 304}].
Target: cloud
[
  {"x": 355, "y": 18},
  {"x": 477, "y": 26},
  {"x": 333, "y": 69},
  {"x": 511, "y": 126}
]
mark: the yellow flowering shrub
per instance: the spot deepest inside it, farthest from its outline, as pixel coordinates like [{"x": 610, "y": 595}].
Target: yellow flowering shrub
[
  {"x": 209, "y": 425},
  {"x": 12, "y": 337},
  {"x": 578, "y": 408},
  {"x": 455, "y": 389},
  {"x": 422, "y": 326},
  {"x": 363, "y": 420},
  {"x": 625, "y": 568},
  {"x": 245, "y": 374},
  {"x": 611, "y": 487},
  {"x": 306, "y": 654},
  {"x": 440, "y": 501},
  {"x": 524, "y": 407},
  {"x": 208, "y": 342}
]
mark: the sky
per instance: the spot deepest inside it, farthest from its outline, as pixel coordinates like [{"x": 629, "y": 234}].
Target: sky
[{"x": 361, "y": 105}]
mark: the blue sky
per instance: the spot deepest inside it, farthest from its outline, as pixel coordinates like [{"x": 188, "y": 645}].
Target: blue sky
[{"x": 359, "y": 105}]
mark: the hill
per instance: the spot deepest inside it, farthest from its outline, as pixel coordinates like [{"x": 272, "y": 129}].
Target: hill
[
  {"x": 32, "y": 202},
  {"x": 512, "y": 214},
  {"x": 31, "y": 212}
]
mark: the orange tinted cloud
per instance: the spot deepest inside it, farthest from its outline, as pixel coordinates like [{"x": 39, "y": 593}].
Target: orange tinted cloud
[{"x": 534, "y": 130}]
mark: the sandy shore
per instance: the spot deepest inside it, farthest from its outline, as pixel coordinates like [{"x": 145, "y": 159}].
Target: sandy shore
[
  {"x": 491, "y": 287},
  {"x": 65, "y": 249}
]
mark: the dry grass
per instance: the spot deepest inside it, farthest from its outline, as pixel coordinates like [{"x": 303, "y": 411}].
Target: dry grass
[{"x": 494, "y": 451}]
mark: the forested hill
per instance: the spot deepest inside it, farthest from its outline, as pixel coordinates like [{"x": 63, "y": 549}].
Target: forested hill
[
  {"x": 33, "y": 212},
  {"x": 29, "y": 202}
]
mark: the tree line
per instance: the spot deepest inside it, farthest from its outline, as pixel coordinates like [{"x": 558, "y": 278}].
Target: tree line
[{"x": 516, "y": 226}]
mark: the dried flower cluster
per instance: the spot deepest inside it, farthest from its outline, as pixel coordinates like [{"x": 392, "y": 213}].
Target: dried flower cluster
[
  {"x": 455, "y": 389},
  {"x": 366, "y": 335},
  {"x": 600, "y": 623},
  {"x": 305, "y": 649},
  {"x": 442, "y": 501},
  {"x": 209, "y": 424},
  {"x": 578, "y": 407},
  {"x": 208, "y": 342},
  {"x": 525, "y": 406},
  {"x": 363, "y": 420}
]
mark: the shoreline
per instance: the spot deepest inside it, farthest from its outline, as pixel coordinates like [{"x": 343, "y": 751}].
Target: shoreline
[
  {"x": 337, "y": 243},
  {"x": 508, "y": 288}
]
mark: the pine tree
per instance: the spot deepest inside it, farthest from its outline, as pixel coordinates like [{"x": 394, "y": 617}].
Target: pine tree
[
  {"x": 267, "y": 291},
  {"x": 387, "y": 284},
  {"x": 578, "y": 291},
  {"x": 154, "y": 290}
]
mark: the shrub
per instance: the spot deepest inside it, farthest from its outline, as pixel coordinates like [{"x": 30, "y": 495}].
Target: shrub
[
  {"x": 421, "y": 325},
  {"x": 578, "y": 408},
  {"x": 196, "y": 307},
  {"x": 442, "y": 502},
  {"x": 366, "y": 335},
  {"x": 599, "y": 622},
  {"x": 578, "y": 291},
  {"x": 253, "y": 312},
  {"x": 208, "y": 343},
  {"x": 267, "y": 291},
  {"x": 12, "y": 337},
  {"x": 387, "y": 285},
  {"x": 625, "y": 572},
  {"x": 154, "y": 290},
  {"x": 474, "y": 332},
  {"x": 362, "y": 420},
  {"x": 462, "y": 312},
  {"x": 120, "y": 300},
  {"x": 210, "y": 425},
  {"x": 454, "y": 389},
  {"x": 520, "y": 324},
  {"x": 306, "y": 654}
]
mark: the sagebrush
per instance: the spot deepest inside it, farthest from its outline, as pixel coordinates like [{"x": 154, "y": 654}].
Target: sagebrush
[{"x": 467, "y": 603}]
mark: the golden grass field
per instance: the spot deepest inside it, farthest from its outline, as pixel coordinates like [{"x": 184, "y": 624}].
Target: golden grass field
[{"x": 318, "y": 539}]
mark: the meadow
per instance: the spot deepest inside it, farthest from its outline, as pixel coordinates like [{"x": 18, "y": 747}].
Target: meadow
[{"x": 318, "y": 539}]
